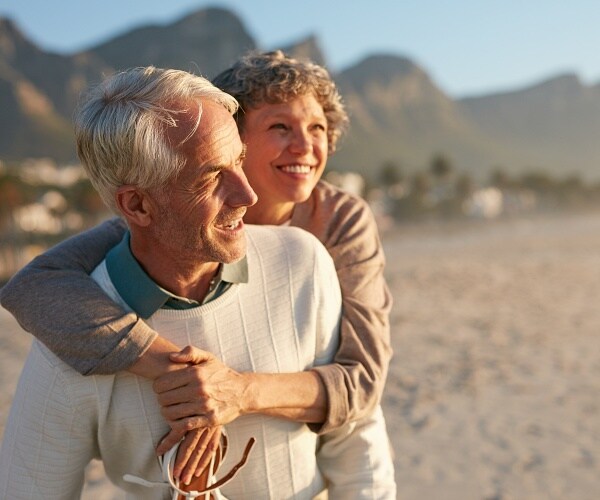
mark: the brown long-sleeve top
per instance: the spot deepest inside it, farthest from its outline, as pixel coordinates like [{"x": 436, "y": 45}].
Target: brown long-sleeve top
[{"x": 54, "y": 298}]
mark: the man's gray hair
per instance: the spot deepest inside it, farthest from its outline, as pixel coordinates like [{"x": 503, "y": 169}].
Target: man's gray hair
[{"x": 121, "y": 127}]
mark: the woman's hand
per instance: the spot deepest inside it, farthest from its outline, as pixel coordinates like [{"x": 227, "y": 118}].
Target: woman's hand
[{"x": 205, "y": 394}]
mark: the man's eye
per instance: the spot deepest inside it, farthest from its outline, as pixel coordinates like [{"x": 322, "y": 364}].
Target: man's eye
[
  {"x": 215, "y": 176},
  {"x": 278, "y": 126}
]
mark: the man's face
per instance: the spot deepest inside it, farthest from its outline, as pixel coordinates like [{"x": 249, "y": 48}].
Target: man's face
[{"x": 200, "y": 212}]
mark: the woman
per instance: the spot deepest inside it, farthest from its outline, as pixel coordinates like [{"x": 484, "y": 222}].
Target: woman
[{"x": 291, "y": 120}]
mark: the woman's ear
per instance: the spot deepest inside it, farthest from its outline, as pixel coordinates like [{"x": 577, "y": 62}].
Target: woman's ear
[{"x": 134, "y": 204}]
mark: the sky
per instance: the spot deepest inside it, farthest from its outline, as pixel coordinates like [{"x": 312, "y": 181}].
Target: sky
[{"x": 468, "y": 47}]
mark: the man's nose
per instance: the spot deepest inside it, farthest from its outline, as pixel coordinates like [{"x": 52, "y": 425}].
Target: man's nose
[{"x": 241, "y": 193}]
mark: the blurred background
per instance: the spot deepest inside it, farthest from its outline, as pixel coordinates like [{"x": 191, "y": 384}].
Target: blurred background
[
  {"x": 458, "y": 109},
  {"x": 474, "y": 137}
]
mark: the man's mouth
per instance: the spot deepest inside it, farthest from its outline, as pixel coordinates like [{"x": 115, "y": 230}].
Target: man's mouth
[{"x": 231, "y": 225}]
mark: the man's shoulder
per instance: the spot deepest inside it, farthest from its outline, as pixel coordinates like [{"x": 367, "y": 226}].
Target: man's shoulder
[
  {"x": 102, "y": 277},
  {"x": 280, "y": 235},
  {"x": 278, "y": 241}
]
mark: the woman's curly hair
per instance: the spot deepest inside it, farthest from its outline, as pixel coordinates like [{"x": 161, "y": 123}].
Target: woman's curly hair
[{"x": 273, "y": 78}]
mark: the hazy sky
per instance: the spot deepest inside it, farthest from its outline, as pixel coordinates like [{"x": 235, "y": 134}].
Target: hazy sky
[{"x": 467, "y": 46}]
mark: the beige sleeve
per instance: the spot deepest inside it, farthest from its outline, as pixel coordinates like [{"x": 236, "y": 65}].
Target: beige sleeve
[
  {"x": 54, "y": 299},
  {"x": 355, "y": 381}
]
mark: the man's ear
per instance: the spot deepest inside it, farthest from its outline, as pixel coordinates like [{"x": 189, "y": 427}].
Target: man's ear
[{"x": 135, "y": 205}]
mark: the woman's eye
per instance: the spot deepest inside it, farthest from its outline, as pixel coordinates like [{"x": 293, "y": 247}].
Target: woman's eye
[{"x": 278, "y": 126}]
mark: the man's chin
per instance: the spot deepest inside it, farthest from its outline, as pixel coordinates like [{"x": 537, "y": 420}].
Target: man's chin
[
  {"x": 235, "y": 259},
  {"x": 232, "y": 255}
]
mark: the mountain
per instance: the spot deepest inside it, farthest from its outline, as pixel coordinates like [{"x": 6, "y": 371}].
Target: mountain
[
  {"x": 204, "y": 42},
  {"x": 554, "y": 124},
  {"x": 38, "y": 91},
  {"x": 308, "y": 48},
  {"x": 399, "y": 114},
  {"x": 60, "y": 78}
]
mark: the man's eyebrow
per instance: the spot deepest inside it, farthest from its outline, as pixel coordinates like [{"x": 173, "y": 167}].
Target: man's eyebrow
[
  {"x": 213, "y": 168},
  {"x": 210, "y": 169}
]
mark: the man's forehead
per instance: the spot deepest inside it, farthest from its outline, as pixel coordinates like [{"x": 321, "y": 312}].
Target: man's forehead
[
  {"x": 196, "y": 117},
  {"x": 215, "y": 141},
  {"x": 186, "y": 115}
]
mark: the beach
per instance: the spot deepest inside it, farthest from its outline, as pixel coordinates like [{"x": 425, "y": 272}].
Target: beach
[{"x": 493, "y": 391}]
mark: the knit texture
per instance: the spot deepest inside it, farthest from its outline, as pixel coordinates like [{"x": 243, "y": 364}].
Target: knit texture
[
  {"x": 285, "y": 320},
  {"x": 95, "y": 335}
]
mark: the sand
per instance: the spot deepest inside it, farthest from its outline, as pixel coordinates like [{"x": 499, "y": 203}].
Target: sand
[{"x": 494, "y": 389}]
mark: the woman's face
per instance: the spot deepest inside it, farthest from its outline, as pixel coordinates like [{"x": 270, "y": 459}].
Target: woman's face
[{"x": 286, "y": 151}]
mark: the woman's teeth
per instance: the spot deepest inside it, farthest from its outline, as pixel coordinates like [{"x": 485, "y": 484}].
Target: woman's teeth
[{"x": 296, "y": 169}]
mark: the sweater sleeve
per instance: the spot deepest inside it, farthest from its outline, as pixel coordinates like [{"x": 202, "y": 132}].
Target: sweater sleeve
[
  {"x": 54, "y": 299},
  {"x": 355, "y": 380}
]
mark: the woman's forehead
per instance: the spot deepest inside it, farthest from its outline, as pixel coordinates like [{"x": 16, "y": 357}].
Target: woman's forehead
[{"x": 306, "y": 103}]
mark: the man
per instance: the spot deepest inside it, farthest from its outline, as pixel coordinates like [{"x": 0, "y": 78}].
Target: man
[{"x": 161, "y": 147}]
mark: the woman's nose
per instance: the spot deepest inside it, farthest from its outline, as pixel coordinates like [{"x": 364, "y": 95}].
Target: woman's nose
[{"x": 301, "y": 142}]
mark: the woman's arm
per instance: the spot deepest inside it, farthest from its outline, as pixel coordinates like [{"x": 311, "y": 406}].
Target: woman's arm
[
  {"x": 344, "y": 391},
  {"x": 208, "y": 393},
  {"x": 346, "y": 226},
  {"x": 352, "y": 386},
  {"x": 54, "y": 298}
]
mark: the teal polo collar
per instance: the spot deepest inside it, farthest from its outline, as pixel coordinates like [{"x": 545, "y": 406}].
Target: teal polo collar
[{"x": 145, "y": 296}]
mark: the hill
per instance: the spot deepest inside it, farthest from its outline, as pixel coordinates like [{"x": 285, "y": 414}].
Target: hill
[{"x": 399, "y": 114}]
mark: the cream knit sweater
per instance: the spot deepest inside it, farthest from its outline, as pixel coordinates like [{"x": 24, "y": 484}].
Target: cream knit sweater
[{"x": 286, "y": 319}]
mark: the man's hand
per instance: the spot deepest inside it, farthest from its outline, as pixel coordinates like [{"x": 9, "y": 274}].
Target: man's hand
[{"x": 205, "y": 394}]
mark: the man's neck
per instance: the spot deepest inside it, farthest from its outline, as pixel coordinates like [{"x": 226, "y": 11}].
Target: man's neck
[{"x": 191, "y": 280}]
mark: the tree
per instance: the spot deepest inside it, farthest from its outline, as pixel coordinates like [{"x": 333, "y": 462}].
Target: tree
[
  {"x": 11, "y": 195},
  {"x": 441, "y": 167},
  {"x": 390, "y": 174},
  {"x": 465, "y": 187},
  {"x": 500, "y": 179}
]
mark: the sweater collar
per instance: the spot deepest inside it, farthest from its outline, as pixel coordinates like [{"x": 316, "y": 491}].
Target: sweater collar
[{"x": 145, "y": 296}]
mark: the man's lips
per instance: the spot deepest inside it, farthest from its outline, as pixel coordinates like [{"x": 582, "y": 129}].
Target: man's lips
[
  {"x": 231, "y": 225},
  {"x": 232, "y": 221}
]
